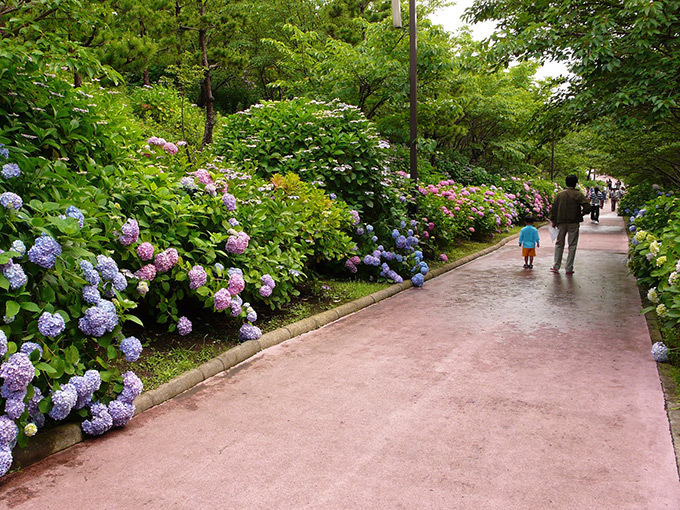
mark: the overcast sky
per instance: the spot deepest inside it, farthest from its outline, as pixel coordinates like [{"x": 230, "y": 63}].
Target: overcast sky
[{"x": 449, "y": 18}]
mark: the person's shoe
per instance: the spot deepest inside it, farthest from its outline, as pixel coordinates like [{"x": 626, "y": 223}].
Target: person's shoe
[
  {"x": 531, "y": 266},
  {"x": 526, "y": 266},
  {"x": 569, "y": 272},
  {"x": 554, "y": 270}
]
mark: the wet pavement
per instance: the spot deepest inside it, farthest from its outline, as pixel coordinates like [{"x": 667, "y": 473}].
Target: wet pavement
[{"x": 492, "y": 387}]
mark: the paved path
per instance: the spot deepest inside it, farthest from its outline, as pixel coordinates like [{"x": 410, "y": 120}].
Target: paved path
[{"x": 493, "y": 387}]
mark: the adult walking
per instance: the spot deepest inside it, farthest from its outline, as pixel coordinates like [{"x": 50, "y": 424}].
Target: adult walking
[
  {"x": 595, "y": 202},
  {"x": 566, "y": 215},
  {"x": 615, "y": 196}
]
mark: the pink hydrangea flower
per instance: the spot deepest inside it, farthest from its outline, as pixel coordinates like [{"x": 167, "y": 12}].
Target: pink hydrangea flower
[
  {"x": 170, "y": 148},
  {"x": 237, "y": 243},
  {"x": 145, "y": 251},
  {"x": 165, "y": 260},
  {"x": 444, "y": 257},
  {"x": 129, "y": 232},
  {"x": 154, "y": 140},
  {"x": 148, "y": 273},
  {"x": 197, "y": 277},
  {"x": 203, "y": 176},
  {"x": 236, "y": 284},
  {"x": 222, "y": 300},
  {"x": 265, "y": 291}
]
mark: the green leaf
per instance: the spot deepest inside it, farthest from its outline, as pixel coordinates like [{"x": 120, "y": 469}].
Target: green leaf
[
  {"x": 12, "y": 308},
  {"x": 31, "y": 307}
]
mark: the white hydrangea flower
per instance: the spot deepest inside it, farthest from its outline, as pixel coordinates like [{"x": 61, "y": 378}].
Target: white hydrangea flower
[
  {"x": 661, "y": 261},
  {"x": 640, "y": 235},
  {"x": 661, "y": 310},
  {"x": 653, "y": 295},
  {"x": 673, "y": 278},
  {"x": 654, "y": 248}
]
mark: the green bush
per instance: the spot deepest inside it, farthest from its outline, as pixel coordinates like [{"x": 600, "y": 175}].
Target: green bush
[{"x": 331, "y": 145}]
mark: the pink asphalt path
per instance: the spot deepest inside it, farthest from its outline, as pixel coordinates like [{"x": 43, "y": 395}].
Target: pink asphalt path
[{"x": 492, "y": 387}]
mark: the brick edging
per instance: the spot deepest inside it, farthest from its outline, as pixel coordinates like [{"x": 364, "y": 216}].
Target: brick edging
[{"x": 61, "y": 437}]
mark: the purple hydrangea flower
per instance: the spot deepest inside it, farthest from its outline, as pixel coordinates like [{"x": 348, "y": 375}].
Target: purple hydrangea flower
[
  {"x": 132, "y": 388},
  {"x": 170, "y": 148},
  {"x": 51, "y": 325},
  {"x": 660, "y": 352},
  {"x": 418, "y": 280},
  {"x": 251, "y": 316},
  {"x": 107, "y": 267},
  {"x": 99, "y": 319},
  {"x": 355, "y": 217},
  {"x": 63, "y": 400},
  {"x": 148, "y": 273},
  {"x": 268, "y": 281},
  {"x": 401, "y": 242},
  {"x": 145, "y": 251},
  {"x": 3, "y": 343},
  {"x": 349, "y": 265},
  {"x": 129, "y": 232},
  {"x": 234, "y": 270},
  {"x": 15, "y": 274},
  {"x": 211, "y": 189},
  {"x": 197, "y": 277},
  {"x": 249, "y": 332},
  {"x": 4, "y": 151},
  {"x": 222, "y": 300},
  {"x": 188, "y": 183},
  {"x": 360, "y": 231},
  {"x": 8, "y": 431},
  {"x": 74, "y": 212},
  {"x": 121, "y": 412},
  {"x": 33, "y": 409},
  {"x": 236, "y": 284},
  {"x": 29, "y": 347},
  {"x": 11, "y": 200},
  {"x": 44, "y": 252},
  {"x": 14, "y": 408},
  {"x": 374, "y": 239},
  {"x": 229, "y": 202},
  {"x": 10, "y": 171},
  {"x": 91, "y": 294},
  {"x": 184, "y": 326},
  {"x": 238, "y": 243},
  {"x": 101, "y": 420},
  {"x": 131, "y": 347},
  {"x": 154, "y": 140},
  {"x": 236, "y": 308},
  {"x": 166, "y": 260},
  {"x": 5, "y": 459},
  {"x": 233, "y": 222},
  {"x": 91, "y": 275},
  {"x": 265, "y": 291}
]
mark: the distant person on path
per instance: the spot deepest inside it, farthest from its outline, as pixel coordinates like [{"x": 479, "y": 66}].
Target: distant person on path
[
  {"x": 529, "y": 241},
  {"x": 614, "y": 196},
  {"x": 595, "y": 202},
  {"x": 566, "y": 215}
]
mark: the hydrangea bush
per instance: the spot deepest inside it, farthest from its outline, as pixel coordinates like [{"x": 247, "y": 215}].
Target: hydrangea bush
[{"x": 331, "y": 145}]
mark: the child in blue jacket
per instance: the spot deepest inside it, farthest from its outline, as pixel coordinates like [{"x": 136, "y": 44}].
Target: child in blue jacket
[{"x": 529, "y": 241}]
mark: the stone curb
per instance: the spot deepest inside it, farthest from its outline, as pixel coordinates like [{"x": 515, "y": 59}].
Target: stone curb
[
  {"x": 64, "y": 436},
  {"x": 668, "y": 384}
]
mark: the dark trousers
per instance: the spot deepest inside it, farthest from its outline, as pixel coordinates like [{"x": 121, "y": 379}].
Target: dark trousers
[{"x": 595, "y": 212}]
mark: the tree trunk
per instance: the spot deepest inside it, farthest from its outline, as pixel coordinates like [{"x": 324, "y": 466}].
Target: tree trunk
[
  {"x": 77, "y": 80},
  {"x": 207, "y": 83},
  {"x": 552, "y": 161},
  {"x": 142, "y": 34}
]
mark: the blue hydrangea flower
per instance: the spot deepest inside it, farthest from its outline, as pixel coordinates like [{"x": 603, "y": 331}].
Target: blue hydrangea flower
[
  {"x": 401, "y": 242},
  {"x": 369, "y": 228},
  {"x": 234, "y": 270},
  {"x": 51, "y": 325},
  {"x": 101, "y": 420},
  {"x": 29, "y": 347},
  {"x": 374, "y": 239},
  {"x": 219, "y": 267},
  {"x": 99, "y": 319},
  {"x": 91, "y": 294},
  {"x": 89, "y": 272},
  {"x": 233, "y": 222},
  {"x": 132, "y": 388},
  {"x": 131, "y": 347},
  {"x": 19, "y": 247},
  {"x": 15, "y": 274},
  {"x": 249, "y": 332},
  {"x": 660, "y": 352},
  {"x": 398, "y": 258},
  {"x": 11, "y": 200},
  {"x": 44, "y": 252},
  {"x": 4, "y": 151},
  {"x": 360, "y": 231},
  {"x": 63, "y": 400},
  {"x": 107, "y": 267},
  {"x": 119, "y": 282},
  {"x": 395, "y": 233},
  {"x": 34, "y": 409},
  {"x": 10, "y": 171},
  {"x": 418, "y": 280},
  {"x": 121, "y": 412},
  {"x": 74, "y": 212},
  {"x": 85, "y": 385}
]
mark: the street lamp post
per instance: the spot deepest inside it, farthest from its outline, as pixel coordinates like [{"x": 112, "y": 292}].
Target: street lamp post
[{"x": 413, "y": 72}]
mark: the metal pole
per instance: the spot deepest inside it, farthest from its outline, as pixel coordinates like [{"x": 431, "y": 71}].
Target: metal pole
[{"x": 414, "y": 90}]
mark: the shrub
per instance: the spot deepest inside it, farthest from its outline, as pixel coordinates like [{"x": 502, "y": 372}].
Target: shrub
[
  {"x": 636, "y": 196},
  {"x": 331, "y": 145}
]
